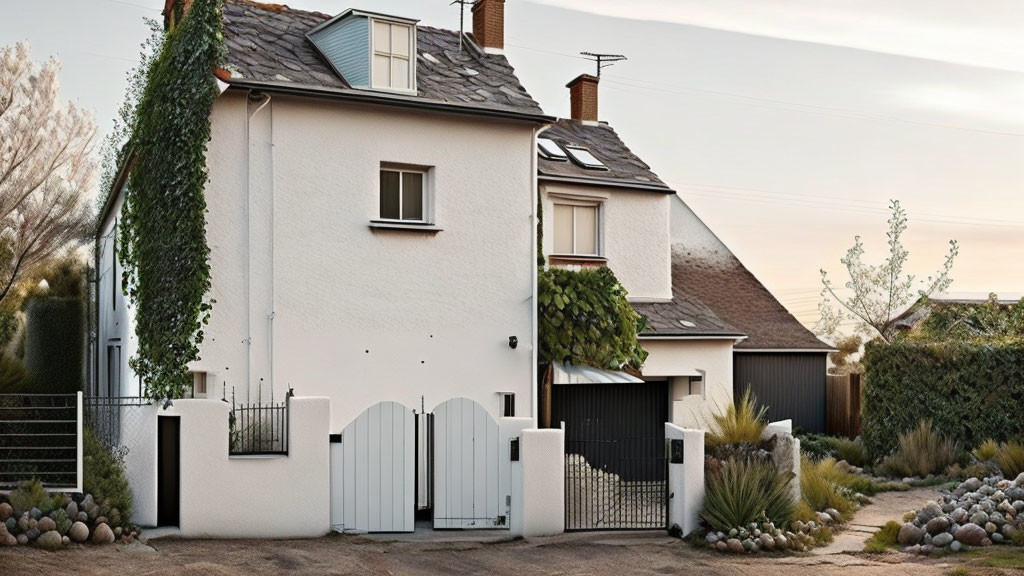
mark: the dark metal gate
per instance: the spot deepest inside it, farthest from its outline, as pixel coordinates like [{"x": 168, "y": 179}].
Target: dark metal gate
[{"x": 616, "y": 471}]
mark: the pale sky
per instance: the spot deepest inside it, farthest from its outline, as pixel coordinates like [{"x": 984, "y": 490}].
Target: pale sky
[{"x": 786, "y": 125}]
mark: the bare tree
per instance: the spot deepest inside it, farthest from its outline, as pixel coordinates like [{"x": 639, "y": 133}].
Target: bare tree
[
  {"x": 877, "y": 294},
  {"x": 45, "y": 166}
]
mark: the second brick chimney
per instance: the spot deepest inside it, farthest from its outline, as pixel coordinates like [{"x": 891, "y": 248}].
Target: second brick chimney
[
  {"x": 583, "y": 97},
  {"x": 489, "y": 24}
]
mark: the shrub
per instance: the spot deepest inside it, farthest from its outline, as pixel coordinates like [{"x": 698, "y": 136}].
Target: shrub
[
  {"x": 103, "y": 477},
  {"x": 13, "y": 376},
  {"x": 1011, "y": 459},
  {"x": 744, "y": 492},
  {"x": 884, "y": 539},
  {"x": 60, "y": 517},
  {"x": 830, "y": 470},
  {"x": 988, "y": 450},
  {"x": 30, "y": 494},
  {"x": 970, "y": 391},
  {"x": 740, "y": 423},
  {"x": 817, "y": 446},
  {"x": 54, "y": 346},
  {"x": 818, "y": 491},
  {"x": 922, "y": 451},
  {"x": 852, "y": 451}
]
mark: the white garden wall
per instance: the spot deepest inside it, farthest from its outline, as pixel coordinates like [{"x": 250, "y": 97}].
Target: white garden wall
[
  {"x": 239, "y": 497},
  {"x": 686, "y": 479}
]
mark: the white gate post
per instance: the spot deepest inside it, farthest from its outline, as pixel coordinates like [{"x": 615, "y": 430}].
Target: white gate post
[
  {"x": 78, "y": 446},
  {"x": 685, "y": 477}
]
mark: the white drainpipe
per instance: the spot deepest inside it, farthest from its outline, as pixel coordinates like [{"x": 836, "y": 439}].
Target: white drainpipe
[{"x": 248, "y": 241}]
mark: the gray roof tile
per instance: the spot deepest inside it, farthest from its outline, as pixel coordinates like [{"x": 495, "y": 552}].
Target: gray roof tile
[
  {"x": 267, "y": 42},
  {"x": 683, "y": 316},
  {"x": 624, "y": 167}
]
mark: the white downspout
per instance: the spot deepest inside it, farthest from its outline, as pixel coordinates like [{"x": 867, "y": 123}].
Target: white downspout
[
  {"x": 535, "y": 220},
  {"x": 248, "y": 241}
]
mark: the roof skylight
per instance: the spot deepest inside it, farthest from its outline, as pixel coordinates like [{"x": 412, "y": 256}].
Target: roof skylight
[
  {"x": 551, "y": 150},
  {"x": 584, "y": 158}
]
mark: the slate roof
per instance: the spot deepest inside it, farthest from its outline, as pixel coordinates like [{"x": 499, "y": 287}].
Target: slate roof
[
  {"x": 267, "y": 44},
  {"x": 723, "y": 284},
  {"x": 624, "y": 168},
  {"x": 667, "y": 318}
]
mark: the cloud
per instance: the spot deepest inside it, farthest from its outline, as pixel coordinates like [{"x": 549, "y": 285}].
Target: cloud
[
  {"x": 999, "y": 105},
  {"x": 978, "y": 33}
]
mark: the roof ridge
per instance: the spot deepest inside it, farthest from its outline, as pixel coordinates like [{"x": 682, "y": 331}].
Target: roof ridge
[{"x": 279, "y": 8}]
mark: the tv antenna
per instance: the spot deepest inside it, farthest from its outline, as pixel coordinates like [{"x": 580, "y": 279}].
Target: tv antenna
[
  {"x": 462, "y": 17},
  {"x": 603, "y": 60}
]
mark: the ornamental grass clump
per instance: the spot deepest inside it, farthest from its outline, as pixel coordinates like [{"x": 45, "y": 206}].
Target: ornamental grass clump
[
  {"x": 746, "y": 491},
  {"x": 1011, "y": 459},
  {"x": 740, "y": 423},
  {"x": 921, "y": 452},
  {"x": 988, "y": 450},
  {"x": 852, "y": 451},
  {"x": 819, "y": 492}
]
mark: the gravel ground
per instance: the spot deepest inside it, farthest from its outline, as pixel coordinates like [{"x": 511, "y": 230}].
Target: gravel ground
[{"x": 594, "y": 553}]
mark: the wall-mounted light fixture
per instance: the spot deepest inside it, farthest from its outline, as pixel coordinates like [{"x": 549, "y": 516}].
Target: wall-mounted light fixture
[{"x": 513, "y": 342}]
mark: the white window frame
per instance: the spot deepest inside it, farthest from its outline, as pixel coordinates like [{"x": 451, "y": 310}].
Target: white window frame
[
  {"x": 391, "y": 56},
  {"x": 598, "y": 229},
  {"x": 427, "y": 198}
]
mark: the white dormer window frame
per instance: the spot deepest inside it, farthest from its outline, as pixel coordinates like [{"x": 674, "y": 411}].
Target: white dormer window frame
[{"x": 389, "y": 53}]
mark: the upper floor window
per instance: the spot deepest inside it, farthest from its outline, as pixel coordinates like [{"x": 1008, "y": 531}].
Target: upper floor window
[
  {"x": 392, "y": 56},
  {"x": 403, "y": 195},
  {"x": 577, "y": 229}
]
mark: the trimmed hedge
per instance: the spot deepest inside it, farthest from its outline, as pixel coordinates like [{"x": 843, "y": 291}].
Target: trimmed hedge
[
  {"x": 969, "y": 391},
  {"x": 55, "y": 345}
]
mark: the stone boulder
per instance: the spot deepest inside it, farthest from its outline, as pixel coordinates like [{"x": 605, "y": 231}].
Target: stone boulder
[
  {"x": 971, "y": 535},
  {"x": 6, "y": 538},
  {"x": 910, "y": 535},
  {"x": 79, "y": 532},
  {"x": 6, "y": 511},
  {"x": 942, "y": 540},
  {"x": 102, "y": 534},
  {"x": 46, "y": 524},
  {"x": 50, "y": 540},
  {"x": 937, "y": 525}
]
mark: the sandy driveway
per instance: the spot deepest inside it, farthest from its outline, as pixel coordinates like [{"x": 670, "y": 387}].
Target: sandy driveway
[{"x": 614, "y": 554}]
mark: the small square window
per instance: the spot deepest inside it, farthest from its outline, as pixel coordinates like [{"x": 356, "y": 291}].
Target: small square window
[
  {"x": 403, "y": 195},
  {"x": 508, "y": 405}
]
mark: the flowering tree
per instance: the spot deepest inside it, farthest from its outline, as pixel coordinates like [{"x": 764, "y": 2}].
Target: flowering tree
[
  {"x": 45, "y": 166},
  {"x": 877, "y": 294}
]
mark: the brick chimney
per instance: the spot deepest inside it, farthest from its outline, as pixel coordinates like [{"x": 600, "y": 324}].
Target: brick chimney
[
  {"x": 583, "y": 97},
  {"x": 174, "y": 11},
  {"x": 489, "y": 24}
]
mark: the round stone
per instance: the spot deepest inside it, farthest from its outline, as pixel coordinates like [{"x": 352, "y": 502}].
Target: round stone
[
  {"x": 942, "y": 540},
  {"x": 79, "y": 532},
  {"x": 937, "y": 525},
  {"x": 734, "y": 545},
  {"x": 49, "y": 540},
  {"x": 6, "y": 511},
  {"x": 910, "y": 535},
  {"x": 102, "y": 534},
  {"x": 46, "y": 524},
  {"x": 971, "y": 535},
  {"x": 956, "y": 546}
]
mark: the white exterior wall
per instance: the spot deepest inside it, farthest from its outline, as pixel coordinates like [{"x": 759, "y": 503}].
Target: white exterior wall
[
  {"x": 336, "y": 309},
  {"x": 257, "y": 497},
  {"x": 634, "y": 231},
  {"x": 116, "y": 314},
  {"x": 711, "y": 359}
]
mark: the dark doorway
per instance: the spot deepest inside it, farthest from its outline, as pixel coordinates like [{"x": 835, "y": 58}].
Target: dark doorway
[
  {"x": 616, "y": 470},
  {"x": 168, "y": 473}
]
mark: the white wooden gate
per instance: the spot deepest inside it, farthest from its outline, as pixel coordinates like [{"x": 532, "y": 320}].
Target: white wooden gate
[
  {"x": 470, "y": 478},
  {"x": 373, "y": 472}
]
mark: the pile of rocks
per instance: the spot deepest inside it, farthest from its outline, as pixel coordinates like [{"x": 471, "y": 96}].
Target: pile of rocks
[
  {"x": 764, "y": 537},
  {"x": 976, "y": 513},
  {"x": 77, "y": 522}
]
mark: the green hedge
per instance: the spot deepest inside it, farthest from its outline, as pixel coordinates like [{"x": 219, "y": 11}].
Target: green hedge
[
  {"x": 55, "y": 345},
  {"x": 970, "y": 391}
]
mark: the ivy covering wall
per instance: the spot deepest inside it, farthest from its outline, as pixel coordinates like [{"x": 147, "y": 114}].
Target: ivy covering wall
[
  {"x": 969, "y": 390},
  {"x": 584, "y": 319},
  {"x": 162, "y": 237}
]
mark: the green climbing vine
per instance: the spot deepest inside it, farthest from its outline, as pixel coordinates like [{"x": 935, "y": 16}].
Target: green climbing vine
[
  {"x": 162, "y": 236},
  {"x": 585, "y": 319}
]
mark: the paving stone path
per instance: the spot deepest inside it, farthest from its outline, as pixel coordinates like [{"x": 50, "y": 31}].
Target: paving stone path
[{"x": 870, "y": 519}]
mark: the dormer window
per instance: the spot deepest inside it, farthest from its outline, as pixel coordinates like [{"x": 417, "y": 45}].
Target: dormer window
[
  {"x": 392, "y": 56},
  {"x": 369, "y": 50}
]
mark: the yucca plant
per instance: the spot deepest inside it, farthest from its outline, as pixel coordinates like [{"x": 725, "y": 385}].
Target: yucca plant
[
  {"x": 745, "y": 492},
  {"x": 988, "y": 450},
  {"x": 922, "y": 451},
  {"x": 742, "y": 422},
  {"x": 1011, "y": 459},
  {"x": 818, "y": 491}
]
